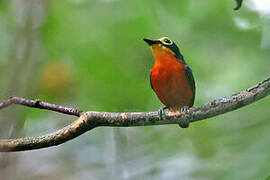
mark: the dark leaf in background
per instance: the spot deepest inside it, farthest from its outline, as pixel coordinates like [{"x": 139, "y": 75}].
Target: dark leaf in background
[{"x": 238, "y": 4}]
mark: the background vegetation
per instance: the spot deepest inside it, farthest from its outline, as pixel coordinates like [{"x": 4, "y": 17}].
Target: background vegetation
[{"x": 90, "y": 55}]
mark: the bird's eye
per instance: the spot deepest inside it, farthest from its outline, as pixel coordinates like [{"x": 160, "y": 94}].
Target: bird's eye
[{"x": 166, "y": 41}]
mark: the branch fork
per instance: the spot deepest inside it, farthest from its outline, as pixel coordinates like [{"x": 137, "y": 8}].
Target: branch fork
[{"x": 92, "y": 119}]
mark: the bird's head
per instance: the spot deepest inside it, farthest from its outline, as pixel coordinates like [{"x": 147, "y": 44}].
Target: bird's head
[{"x": 163, "y": 46}]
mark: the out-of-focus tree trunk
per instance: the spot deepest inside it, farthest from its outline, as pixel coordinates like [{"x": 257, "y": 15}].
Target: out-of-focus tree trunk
[{"x": 25, "y": 53}]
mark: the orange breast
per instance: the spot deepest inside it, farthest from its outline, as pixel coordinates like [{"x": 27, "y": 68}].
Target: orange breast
[{"x": 169, "y": 82}]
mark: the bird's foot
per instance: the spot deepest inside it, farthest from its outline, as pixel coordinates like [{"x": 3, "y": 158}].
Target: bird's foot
[
  {"x": 184, "y": 109},
  {"x": 185, "y": 122},
  {"x": 161, "y": 112}
]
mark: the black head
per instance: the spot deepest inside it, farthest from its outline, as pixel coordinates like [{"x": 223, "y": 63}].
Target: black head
[{"x": 166, "y": 42}]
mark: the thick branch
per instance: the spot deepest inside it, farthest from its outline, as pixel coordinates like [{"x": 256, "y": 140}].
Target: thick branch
[{"x": 90, "y": 120}]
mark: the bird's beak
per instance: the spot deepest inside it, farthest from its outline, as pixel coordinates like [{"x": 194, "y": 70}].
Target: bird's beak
[{"x": 150, "y": 42}]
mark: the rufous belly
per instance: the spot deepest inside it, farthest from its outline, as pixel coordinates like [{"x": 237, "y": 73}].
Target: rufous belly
[{"x": 170, "y": 84}]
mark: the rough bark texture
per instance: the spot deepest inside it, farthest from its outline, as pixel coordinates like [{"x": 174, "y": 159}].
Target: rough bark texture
[
  {"x": 41, "y": 105},
  {"x": 91, "y": 119}
]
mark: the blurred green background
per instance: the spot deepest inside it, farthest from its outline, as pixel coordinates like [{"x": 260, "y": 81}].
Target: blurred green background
[{"x": 90, "y": 55}]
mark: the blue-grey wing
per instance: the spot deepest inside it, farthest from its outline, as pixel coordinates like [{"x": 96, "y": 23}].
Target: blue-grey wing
[{"x": 191, "y": 81}]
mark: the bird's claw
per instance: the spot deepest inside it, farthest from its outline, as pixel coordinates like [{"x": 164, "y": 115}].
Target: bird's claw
[
  {"x": 184, "y": 109},
  {"x": 185, "y": 122},
  {"x": 161, "y": 112}
]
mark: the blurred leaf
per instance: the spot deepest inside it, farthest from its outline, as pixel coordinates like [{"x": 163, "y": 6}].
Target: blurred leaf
[{"x": 238, "y": 4}]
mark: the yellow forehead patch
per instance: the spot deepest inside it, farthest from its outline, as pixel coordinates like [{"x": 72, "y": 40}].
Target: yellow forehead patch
[
  {"x": 160, "y": 39},
  {"x": 165, "y": 41}
]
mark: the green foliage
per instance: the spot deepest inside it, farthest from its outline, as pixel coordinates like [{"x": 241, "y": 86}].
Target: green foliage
[{"x": 105, "y": 66}]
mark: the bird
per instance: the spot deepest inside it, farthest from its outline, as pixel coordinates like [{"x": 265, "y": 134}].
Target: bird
[{"x": 171, "y": 77}]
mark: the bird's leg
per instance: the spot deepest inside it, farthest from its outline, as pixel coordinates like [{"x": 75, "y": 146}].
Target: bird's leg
[
  {"x": 161, "y": 112},
  {"x": 184, "y": 123}
]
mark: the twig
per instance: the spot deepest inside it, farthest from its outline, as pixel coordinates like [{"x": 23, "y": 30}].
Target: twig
[
  {"x": 41, "y": 105},
  {"x": 90, "y": 120}
]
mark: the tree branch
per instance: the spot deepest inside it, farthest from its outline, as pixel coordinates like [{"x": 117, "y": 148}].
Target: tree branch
[
  {"x": 41, "y": 105},
  {"x": 91, "y": 119}
]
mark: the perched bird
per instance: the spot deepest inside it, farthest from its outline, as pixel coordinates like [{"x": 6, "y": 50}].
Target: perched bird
[{"x": 171, "y": 78}]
